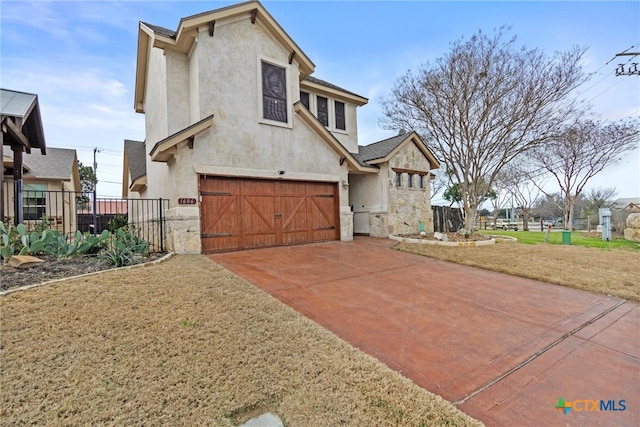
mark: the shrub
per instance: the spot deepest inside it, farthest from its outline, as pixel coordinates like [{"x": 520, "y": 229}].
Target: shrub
[
  {"x": 125, "y": 248},
  {"x": 117, "y": 222}
]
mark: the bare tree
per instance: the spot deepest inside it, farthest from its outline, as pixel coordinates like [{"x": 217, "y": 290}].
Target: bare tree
[
  {"x": 525, "y": 192},
  {"x": 583, "y": 150},
  {"x": 439, "y": 183},
  {"x": 594, "y": 199},
  {"x": 482, "y": 104}
]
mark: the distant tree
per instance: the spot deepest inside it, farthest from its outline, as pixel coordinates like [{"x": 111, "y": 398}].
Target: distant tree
[
  {"x": 523, "y": 190},
  {"x": 482, "y": 104},
  {"x": 88, "y": 182},
  {"x": 595, "y": 199},
  {"x": 453, "y": 194},
  {"x": 582, "y": 151},
  {"x": 88, "y": 178},
  {"x": 548, "y": 206}
]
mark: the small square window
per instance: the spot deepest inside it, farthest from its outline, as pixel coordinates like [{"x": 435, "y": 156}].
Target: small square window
[
  {"x": 340, "y": 118},
  {"x": 398, "y": 179},
  {"x": 323, "y": 110}
]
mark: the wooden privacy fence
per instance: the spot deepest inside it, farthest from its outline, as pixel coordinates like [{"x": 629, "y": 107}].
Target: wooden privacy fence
[
  {"x": 71, "y": 211},
  {"x": 447, "y": 219}
]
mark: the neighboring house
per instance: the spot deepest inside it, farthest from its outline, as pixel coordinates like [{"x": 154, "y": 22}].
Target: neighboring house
[
  {"x": 49, "y": 186},
  {"x": 21, "y": 132},
  {"x": 630, "y": 204},
  {"x": 252, "y": 151}
]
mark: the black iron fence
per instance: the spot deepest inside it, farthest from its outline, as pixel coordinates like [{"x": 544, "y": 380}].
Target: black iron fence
[{"x": 71, "y": 211}]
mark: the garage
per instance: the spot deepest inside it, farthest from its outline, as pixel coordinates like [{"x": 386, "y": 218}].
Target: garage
[{"x": 246, "y": 213}]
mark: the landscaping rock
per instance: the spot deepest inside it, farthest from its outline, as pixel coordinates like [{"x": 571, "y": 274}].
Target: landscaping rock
[
  {"x": 24, "y": 261},
  {"x": 632, "y": 232},
  {"x": 440, "y": 236},
  {"x": 264, "y": 420}
]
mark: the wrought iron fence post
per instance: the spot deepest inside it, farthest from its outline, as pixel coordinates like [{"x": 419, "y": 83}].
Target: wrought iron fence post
[{"x": 161, "y": 226}]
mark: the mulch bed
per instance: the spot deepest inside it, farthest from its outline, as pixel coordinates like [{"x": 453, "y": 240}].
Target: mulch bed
[
  {"x": 54, "y": 268},
  {"x": 451, "y": 237}
]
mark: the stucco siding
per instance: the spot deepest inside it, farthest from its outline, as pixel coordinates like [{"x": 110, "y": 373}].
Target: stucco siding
[{"x": 178, "y": 92}]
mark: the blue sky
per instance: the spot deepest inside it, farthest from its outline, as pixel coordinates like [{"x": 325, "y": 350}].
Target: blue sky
[{"x": 79, "y": 57}]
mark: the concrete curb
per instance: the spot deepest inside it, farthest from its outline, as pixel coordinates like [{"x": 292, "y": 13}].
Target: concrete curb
[
  {"x": 50, "y": 282},
  {"x": 439, "y": 243}
]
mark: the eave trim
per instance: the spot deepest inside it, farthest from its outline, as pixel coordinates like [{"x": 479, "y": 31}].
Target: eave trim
[{"x": 164, "y": 149}]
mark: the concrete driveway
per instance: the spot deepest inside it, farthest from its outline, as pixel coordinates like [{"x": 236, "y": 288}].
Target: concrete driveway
[{"x": 505, "y": 349}]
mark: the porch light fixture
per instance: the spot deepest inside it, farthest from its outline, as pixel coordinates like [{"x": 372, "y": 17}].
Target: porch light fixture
[{"x": 345, "y": 184}]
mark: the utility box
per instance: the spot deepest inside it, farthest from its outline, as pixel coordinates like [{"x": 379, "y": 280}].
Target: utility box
[{"x": 604, "y": 215}]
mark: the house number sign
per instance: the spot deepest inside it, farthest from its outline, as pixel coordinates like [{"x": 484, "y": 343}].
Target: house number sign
[{"x": 186, "y": 201}]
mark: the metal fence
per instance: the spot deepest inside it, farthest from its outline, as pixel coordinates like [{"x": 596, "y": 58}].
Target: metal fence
[{"x": 71, "y": 211}]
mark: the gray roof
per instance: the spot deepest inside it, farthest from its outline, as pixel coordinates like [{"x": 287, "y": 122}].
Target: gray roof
[
  {"x": 136, "y": 153},
  {"x": 22, "y": 105},
  {"x": 331, "y": 86},
  {"x": 16, "y": 104},
  {"x": 57, "y": 164},
  {"x": 381, "y": 149},
  {"x": 625, "y": 201},
  {"x": 161, "y": 30}
]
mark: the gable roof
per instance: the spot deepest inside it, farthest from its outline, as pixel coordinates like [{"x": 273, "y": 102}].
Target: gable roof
[
  {"x": 163, "y": 150},
  {"x": 20, "y": 112},
  {"x": 382, "y": 151},
  {"x": 136, "y": 156},
  {"x": 134, "y": 166},
  {"x": 325, "y": 87},
  {"x": 58, "y": 164},
  {"x": 313, "y": 122},
  {"x": 183, "y": 38}
]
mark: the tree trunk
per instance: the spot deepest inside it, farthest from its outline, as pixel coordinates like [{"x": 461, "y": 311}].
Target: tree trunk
[
  {"x": 470, "y": 216},
  {"x": 525, "y": 220}
]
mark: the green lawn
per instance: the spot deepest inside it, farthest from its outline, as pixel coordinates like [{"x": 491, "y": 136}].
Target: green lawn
[{"x": 578, "y": 238}]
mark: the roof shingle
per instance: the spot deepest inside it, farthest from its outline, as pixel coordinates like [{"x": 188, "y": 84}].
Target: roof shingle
[{"x": 136, "y": 153}]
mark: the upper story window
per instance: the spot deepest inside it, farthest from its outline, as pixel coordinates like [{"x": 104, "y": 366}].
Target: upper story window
[
  {"x": 323, "y": 110},
  {"x": 340, "y": 118},
  {"x": 274, "y": 92},
  {"x": 422, "y": 181},
  {"x": 410, "y": 182},
  {"x": 304, "y": 98}
]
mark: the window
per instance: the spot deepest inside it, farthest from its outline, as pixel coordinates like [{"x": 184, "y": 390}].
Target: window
[
  {"x": 323, "y": 110},
  {"x": 274, "y": 92},
  {"x": 34, "y": 204},
  {"x": 398, "y": 179},
  {"x": 422, "y": 183},
  {"x": 410, "y": 183},
  {"x": 304, "y": 98},
  {"x": 340, "y": 121}
]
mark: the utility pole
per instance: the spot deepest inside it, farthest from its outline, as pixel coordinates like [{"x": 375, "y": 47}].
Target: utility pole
[
  {"x": 95, "y": 192},
  {"x": 632, "y": 69}
]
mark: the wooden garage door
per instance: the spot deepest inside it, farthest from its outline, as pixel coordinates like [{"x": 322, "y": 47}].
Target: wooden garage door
[{"x": 251, "y": 213}]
